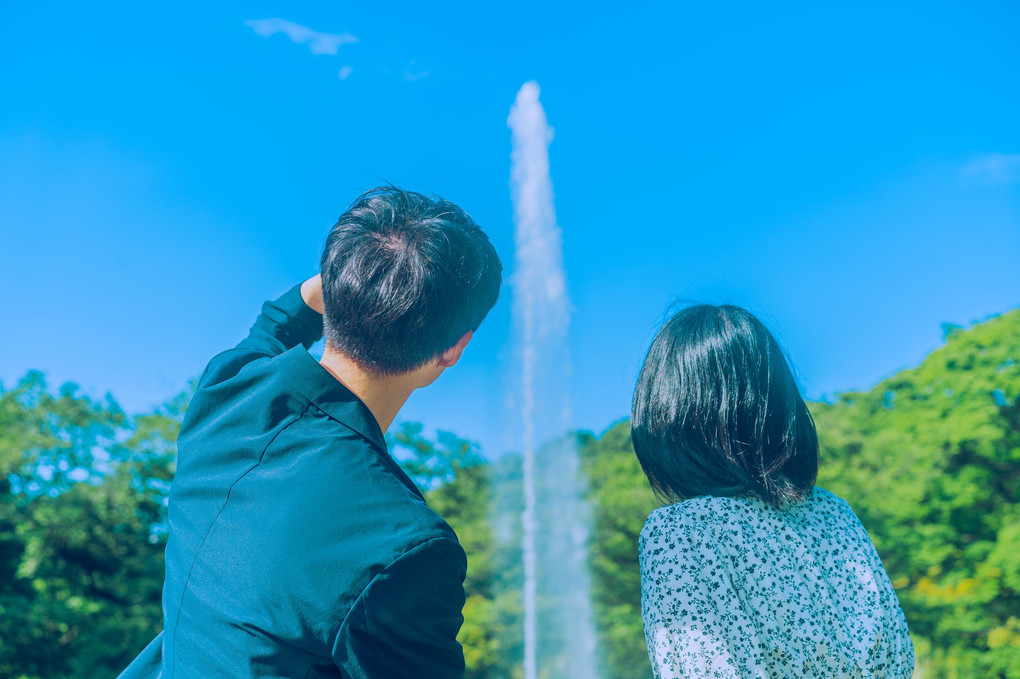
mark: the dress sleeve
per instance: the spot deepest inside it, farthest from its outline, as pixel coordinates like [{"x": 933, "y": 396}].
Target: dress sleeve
[
  {"x": 694, "y": 625},
  {"x": 405, "y": 623}
]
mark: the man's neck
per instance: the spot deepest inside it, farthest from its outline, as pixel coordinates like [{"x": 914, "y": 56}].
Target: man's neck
[{"x": 384, "y": 395}]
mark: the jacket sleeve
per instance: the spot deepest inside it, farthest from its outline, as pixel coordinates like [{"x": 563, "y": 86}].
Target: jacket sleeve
[
  {"x": 284, "y": 323},
  {"x": 405, "y": 623},
  {"x": 148, "y": 664}
]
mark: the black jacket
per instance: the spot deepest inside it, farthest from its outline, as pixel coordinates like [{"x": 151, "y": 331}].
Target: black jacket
[{"x": 298, "y": 548}]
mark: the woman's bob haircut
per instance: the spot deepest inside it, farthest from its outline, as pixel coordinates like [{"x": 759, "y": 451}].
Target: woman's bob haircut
[{"x": 717, "y": 411}]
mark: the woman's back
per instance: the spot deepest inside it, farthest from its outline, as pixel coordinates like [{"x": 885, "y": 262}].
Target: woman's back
[{"x": 735, "y": 587}]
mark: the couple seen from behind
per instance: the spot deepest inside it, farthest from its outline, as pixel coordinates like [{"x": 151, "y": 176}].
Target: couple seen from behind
[{"x": 299, "y": 548}]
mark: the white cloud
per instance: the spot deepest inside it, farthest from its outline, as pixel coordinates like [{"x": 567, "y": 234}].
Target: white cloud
[
  {"x": 996, "y": 168},
  {"x": 411, "y": 73},
  {"x": 318, "y": 43},
  {"x": 344, "y": 72}
]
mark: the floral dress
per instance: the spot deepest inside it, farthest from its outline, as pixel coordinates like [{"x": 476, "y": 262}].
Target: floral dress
[{"x": 732, "y": 587}]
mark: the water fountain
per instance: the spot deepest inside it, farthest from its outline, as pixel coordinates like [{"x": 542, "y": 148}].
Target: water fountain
[{"x": 559, "y": 636}]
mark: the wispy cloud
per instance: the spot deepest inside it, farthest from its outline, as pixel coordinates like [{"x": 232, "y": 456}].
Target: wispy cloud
[
  {"x": 345, "y": 72},
  {"x": 412, "y": 73},
  {"x": 996, "y": 168},
  {"x": 318, "y": 43}
]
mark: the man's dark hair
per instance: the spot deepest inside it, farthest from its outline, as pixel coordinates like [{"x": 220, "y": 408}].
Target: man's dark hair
[
  {"x": 404, "y": 276},
  {"x": 717, "y": 411}
]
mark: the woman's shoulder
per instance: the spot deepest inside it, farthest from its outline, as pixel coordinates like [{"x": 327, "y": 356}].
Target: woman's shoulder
[
  {"x": 693, "y": 524},
  {"x": 704, "y": 510},
  {"x": 711, "y": 514},
  {"x": 821, "y": 496},
  {"x": 822, "y": 502},
  {"x": 692, "y": 509}
]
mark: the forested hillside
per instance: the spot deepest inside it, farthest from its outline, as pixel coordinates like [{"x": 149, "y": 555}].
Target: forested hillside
[{"x": 929, "y": 459}]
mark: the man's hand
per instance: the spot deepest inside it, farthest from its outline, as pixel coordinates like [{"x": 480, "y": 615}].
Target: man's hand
[{"x": 311, "y": 293}]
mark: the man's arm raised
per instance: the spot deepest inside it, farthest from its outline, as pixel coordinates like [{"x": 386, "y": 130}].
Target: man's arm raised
[
  {"x": 287, "y": 321},
  {"x": 293, "y": 318}
]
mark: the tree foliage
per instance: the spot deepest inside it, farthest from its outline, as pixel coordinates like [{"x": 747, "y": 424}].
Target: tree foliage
[
  {"x": 929, "y": 459},
  {"x": 621, "y": 501},
  {"x": 82, "y": 491}
]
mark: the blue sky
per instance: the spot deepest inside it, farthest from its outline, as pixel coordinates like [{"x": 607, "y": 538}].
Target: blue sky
[{"x": 849, "y": 171}]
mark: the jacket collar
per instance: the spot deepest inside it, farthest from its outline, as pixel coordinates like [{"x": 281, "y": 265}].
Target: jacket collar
[{"x": 330, "y": 395}]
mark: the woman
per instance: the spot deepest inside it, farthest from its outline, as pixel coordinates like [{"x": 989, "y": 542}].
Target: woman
[{"x": 752, "y": 571}]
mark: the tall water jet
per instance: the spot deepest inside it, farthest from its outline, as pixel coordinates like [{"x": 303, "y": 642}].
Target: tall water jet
[{"x": 559, "y": 636}]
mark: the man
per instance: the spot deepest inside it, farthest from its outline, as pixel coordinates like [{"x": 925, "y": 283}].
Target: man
[{"x": 298, "y": 548}]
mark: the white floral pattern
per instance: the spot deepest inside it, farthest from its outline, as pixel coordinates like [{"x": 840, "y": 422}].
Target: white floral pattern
[{"x": 732, "y": 587}]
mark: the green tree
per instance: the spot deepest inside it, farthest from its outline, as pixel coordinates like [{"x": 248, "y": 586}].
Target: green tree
[
  {"x": 81, "y": 502},
  {"x": 459, "y": 486},
  {"x": 621, "y": 501},
  {"x": 930, "y": 460},
  {"x": 483, "y": 502}
]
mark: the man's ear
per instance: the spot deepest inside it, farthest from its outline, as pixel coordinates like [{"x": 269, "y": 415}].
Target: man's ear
[{"x": 449, "y": 357}]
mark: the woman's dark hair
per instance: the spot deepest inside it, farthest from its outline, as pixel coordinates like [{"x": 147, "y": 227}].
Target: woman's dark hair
[
  {"x": 717, "y": 411},
  {"x": 404, "y": 276}
]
